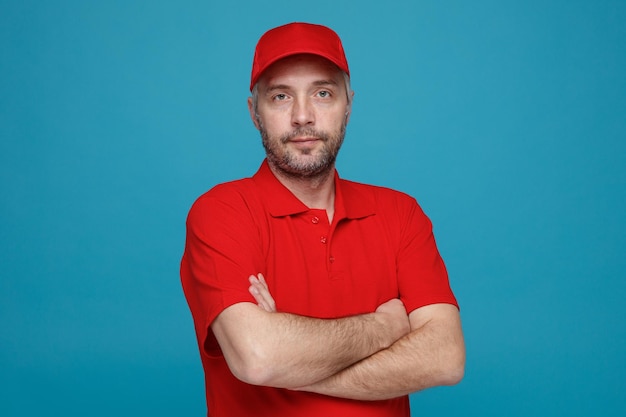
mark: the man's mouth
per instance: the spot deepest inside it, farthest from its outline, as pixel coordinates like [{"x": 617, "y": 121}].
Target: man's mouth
[{"x": 304, "y": 139}]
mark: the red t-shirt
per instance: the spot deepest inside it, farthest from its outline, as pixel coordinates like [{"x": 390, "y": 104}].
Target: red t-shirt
[{"x": 379, "y": 246}]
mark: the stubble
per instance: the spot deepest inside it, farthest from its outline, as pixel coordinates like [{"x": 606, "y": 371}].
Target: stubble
[{"x": 291, "y": 163}]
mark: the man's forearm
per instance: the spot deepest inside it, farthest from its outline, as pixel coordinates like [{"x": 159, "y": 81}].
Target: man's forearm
[
  {"x": 286, "y": 350},
  {"x": 430, "y": 355}
]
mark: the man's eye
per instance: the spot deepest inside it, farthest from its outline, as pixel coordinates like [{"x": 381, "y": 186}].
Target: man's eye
[
  {"x": 280, "y": 97},
  {"x": 324, "y": 94}
]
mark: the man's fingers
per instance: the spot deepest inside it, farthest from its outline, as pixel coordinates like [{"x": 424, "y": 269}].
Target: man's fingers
[
  {"x": 256, "y": 289},
  {"x": 259, "y": 298},
  {"x": 260, "y": 292}
]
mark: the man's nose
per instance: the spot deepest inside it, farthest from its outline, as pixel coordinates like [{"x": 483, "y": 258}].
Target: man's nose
[{"x": 303, "y": 113}]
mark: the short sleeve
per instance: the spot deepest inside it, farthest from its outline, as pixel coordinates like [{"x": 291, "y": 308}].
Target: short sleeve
[
  {"x": 222, "y": 249},
  {"x": 422, "y": 275}
]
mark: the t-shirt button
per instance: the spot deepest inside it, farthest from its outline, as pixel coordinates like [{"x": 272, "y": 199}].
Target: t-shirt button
[
  {"x": 315, "y": 220},
  {"x": 323, "y": 239},
  {"x": 332, "y": 259}
]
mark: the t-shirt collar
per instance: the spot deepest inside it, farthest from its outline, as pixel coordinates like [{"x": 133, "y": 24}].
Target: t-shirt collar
[{"x": 349, "y": 201}]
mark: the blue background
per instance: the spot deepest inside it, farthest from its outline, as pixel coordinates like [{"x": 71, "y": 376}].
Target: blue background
[{"x": 505, "y": 119}]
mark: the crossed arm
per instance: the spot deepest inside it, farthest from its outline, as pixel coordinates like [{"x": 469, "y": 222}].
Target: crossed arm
[
  {"x": 368, "y": 357},
  {"x": 431, "y": 354}
]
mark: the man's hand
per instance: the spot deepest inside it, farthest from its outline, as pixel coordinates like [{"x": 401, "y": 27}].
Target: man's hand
[
  {"x": 261, "y": 293},
  {"x": 395, "y": 318}
]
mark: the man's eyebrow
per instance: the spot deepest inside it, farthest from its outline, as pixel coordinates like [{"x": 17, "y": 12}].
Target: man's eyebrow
[
  {"x": 325, "y": 82},
  {"x": 274, "y": 87},
  {"x": 318, "y": 83}
]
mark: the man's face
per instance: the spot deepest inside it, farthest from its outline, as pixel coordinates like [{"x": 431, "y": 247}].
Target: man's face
[{"x": 302, "y": 112}]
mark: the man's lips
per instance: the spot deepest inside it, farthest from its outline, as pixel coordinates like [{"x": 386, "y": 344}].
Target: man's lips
[{"x": 304, "y": 139}]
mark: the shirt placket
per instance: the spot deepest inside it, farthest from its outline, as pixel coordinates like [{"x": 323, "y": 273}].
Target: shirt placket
[{"x": 319, "y": 220}]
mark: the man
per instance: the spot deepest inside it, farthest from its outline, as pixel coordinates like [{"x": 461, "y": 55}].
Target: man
[{"x": 312, "y": 295}]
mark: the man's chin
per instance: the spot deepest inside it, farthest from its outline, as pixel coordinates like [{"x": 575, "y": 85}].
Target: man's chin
[{"x": 305, "y": 169}]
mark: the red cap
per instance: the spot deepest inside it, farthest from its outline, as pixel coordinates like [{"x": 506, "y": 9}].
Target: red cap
[{"x": 293, "y": 39}]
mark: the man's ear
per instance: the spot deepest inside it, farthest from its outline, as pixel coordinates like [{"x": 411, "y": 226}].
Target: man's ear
[
  {"x": 349, "y": 107},
  {"x": 253, "y": 114}
]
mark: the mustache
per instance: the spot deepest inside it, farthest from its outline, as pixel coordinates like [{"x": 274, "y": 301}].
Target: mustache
[{"x": 304, "y": 131}]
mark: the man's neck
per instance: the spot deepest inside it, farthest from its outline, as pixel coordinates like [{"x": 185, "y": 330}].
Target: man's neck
[{"x": 315, "y": 192}]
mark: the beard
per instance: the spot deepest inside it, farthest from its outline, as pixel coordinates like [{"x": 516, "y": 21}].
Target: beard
[{"x": 303, "y": 164}]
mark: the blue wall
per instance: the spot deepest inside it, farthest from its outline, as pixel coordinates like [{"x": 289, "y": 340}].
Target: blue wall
[{"x": 505, "y": 119}]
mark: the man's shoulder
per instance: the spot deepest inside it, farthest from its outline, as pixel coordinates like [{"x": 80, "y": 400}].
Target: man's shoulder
[
  {"x": 231, "y": 194},
  {"x": 379, "y": 194},
  {"x": 397, "y": 210},
  {"x": 230, "y": 189}
]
